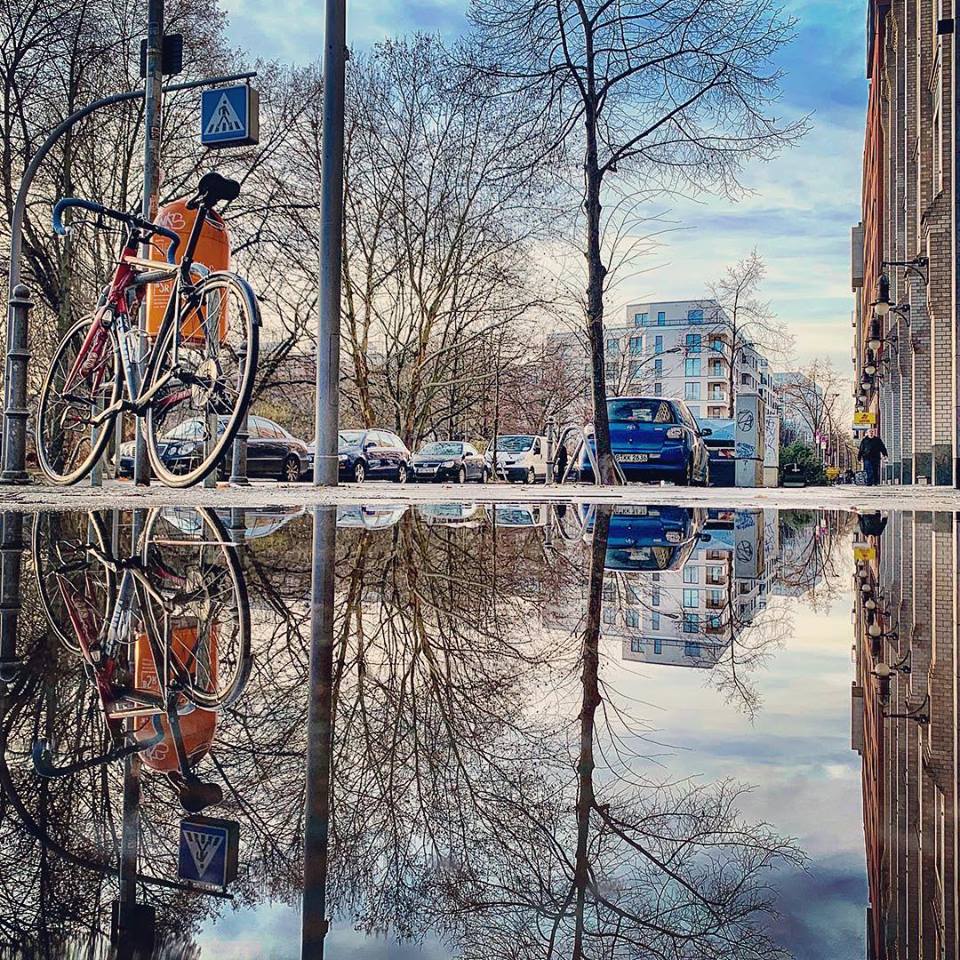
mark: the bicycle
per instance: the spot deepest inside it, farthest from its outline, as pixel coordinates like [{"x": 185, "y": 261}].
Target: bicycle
[
  {"x": 169, "y": 653},
  {"x": 196, "y": 378}
]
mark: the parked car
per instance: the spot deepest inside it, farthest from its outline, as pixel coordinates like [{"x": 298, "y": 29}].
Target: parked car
[
  {"x": 652, "y": 537},
  {"x": 449, "y": 460},
  {"x": 373, "y": 455},
  {"x": 452, "y": 514},
  {"x": 369, "y": 516},
  {"x": 272, "y": 452},
  {"x": 654, "y": 438},
  {"x": 519, "y": 514},
  {"x": 720, "y": 438},
  {"x": 521, "y": 458}
]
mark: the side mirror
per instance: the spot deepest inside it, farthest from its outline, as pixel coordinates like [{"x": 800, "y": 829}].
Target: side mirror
[{"x": 369, "y": 445}]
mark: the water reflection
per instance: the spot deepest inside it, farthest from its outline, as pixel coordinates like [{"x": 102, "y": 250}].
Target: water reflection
[{"x": 441, "y": 718}]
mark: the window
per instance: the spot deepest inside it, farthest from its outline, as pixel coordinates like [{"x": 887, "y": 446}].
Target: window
[
  {"x": 661, "y": 319},
  {"x": 714, "y": 621},
  {"x": 658, "y": 646},
  {"x": 691, "y": 574},
  {"x": 655, "y": 597},
  {"x": 746, "y": 379},
  {"x": 613, "y": 344},
  {"x": 716, "y": 368},
  {"x": 716, "y": 344},
  {"x": 633, "y": 618},
  {"x": 694, "y": 342},
  {"x": 691, "y": 623},
  {"x": 635, "y": 367},
  {"x": 691, "y": 598},
  {"x": 612, "y": 369},
  {"x": 936, "y": 130},
  {"x": 641, "y": 319},
  {"x": 691, "y": 649},
  {"x": 636, "y": 345},
  {"x": 655, "y": 624},
  {"x": 609, "y": 591},
  {"x": 610, "y": 615},
  {"x": 658, "y": 389},
  {"x": 635, "y": 646},
  {"x": 691, "y": 367},
  {"x": 695, "y": 316},
  {"x": 717, "y": 393},
  {"x": 658, "y": 367},
  {"x": 691, "y": 391},
  {"x": 715, "y": 411},
  {"x": 658, "y": 345}
]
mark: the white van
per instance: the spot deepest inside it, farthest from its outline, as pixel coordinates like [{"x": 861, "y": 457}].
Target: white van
[{"x": 520, "y": 457}]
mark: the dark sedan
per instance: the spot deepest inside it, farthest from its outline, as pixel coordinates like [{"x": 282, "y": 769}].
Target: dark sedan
[
  {"x": 449, "y": 460},
  {"x": 272, "y": 452},
  {"x": 372, "y": 455}
]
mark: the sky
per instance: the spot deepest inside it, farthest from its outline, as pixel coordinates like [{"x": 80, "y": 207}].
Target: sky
[{"x": 800, "y": 207}]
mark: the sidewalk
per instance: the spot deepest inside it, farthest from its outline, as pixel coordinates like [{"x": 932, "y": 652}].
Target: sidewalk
[{"x": 125, "y": 495}]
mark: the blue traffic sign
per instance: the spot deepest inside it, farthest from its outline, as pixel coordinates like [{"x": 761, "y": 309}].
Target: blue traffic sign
[
  {"x": 208, "y": 851},
  {"x": 230, "y": 116}
]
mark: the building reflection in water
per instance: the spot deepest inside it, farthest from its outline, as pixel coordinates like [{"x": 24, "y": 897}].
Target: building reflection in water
[
  {"x": 905, "y": 729},
  {"x": 447, "y": 678}
]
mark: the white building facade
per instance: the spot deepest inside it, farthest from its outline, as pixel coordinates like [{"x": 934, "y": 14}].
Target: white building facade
[{"x": 683, "y": 349}]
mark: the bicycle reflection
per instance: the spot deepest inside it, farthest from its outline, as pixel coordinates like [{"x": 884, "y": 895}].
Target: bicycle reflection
[{"x": 163, "y": 636}]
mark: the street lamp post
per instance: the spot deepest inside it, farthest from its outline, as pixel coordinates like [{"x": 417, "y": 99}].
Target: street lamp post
[{"x": 326, "y": 463}]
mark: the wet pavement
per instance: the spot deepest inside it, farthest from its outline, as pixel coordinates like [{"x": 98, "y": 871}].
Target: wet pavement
[{"x": 479, "y": 730}]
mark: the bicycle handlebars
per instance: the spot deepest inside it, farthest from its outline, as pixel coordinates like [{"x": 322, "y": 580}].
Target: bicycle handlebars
[{"x": 129, "y": 219}]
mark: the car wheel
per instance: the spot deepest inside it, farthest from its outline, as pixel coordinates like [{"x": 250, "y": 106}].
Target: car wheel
[
  {"x": 531, "y": 476},
  {"x": 484, "y": 476},
  {"x": 685, "y": 479},
  {"x": 291, "y": 469},
  {"x": 462, "y": 475},
  {"x": 402, "y": 473},
  {"x": 359, "y": 472}
]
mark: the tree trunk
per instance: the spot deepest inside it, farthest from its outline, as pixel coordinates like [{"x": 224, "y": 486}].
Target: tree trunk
[
  {"x": 594, "y": 306},
  {"x": 590, "y": 682}
]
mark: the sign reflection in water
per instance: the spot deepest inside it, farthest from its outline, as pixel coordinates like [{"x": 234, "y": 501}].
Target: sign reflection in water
[{"x": 458, "y": 675}]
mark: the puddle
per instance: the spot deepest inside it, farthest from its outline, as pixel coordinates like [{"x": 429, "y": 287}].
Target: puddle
[{"x": 476, "y": 730}]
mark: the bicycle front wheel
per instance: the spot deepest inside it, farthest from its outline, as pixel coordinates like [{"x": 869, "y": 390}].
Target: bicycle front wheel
[
  {"x": 84, "y": 378},
  {"x": 205, "y": 372},
  {"x": 196, "y": 605}
]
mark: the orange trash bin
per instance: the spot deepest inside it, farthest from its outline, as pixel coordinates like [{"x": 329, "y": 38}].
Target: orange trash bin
[{"x": 212, "y": 253}]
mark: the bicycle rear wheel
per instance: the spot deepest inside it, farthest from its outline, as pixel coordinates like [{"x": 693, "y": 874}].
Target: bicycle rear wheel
[
  {"x": 208, "y": 371},
  {"x": 72, "y": 393},
  {"x": 77, "y": 591},
  {"x": 197, "y": 610}
]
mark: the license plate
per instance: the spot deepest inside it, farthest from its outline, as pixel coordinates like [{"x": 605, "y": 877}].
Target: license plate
[
  {"x": 632, "y": 457},
  {"x": 426, "y": 469},
  {"x": 630, "y": 511}
]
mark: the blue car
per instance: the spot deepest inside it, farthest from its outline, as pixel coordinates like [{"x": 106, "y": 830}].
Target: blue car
[
  {"x": 654, "y": 438},
  {"x": 652, "y": 537}
]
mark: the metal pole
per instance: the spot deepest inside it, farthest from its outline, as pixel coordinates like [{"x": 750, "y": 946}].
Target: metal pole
[
  {"x": 551, "y": 448},
  {"x": 316, "y": 834},
  {"x": 15, "y": 388},
  {"x": 11, "y": 552},
  {"x": 152, "y": 118},
  {"x": 325, "y": 464},
  {"x": 238, "y": 469}
]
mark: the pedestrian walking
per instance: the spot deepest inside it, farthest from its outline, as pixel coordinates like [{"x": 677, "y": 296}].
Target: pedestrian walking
[
  {"x": 561, "y": 463},
  {"x": 870, "y": 452}
]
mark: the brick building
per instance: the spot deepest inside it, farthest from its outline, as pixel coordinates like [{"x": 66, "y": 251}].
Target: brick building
[
  {"x": 904, "y": 248},
  {"x": 904, "y": 725}
]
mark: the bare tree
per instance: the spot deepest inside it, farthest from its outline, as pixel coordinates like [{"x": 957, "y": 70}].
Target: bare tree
[
  {"x": 673, "y": 94},
  {"x": 745, "y": 323}
]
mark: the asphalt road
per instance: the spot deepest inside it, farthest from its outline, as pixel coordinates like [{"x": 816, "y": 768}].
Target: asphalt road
[{"x": 124, "y": 494}]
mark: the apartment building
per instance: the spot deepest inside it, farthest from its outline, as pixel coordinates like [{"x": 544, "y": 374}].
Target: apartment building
[
  {"x": 905, "y": 250},
  {"x": 686, "y": 349}
]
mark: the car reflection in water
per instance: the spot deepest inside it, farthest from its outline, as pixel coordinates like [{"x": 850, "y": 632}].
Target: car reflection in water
[
  {"x": 652, "y": 538},
  {"x": 452, "y": 514},
  {"x": 369, "y": 516},
  {"x": 519, "y": 514}
]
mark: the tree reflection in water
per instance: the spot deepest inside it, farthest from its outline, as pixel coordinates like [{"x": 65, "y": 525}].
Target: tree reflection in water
[{"x": 490, "y": 786}]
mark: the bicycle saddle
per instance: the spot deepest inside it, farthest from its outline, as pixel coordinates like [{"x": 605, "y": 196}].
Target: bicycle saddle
[
  {"x": 212, "y": 189},
  {"x": 195, "y": 795}
]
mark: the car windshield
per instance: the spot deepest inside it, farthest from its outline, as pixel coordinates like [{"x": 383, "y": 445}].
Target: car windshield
[
  {"x": 514, "y": 444},
  {"x": 639, "y": 411},
  {"x": 442, "y": 449},
  {"x": 350, "y": 438}
]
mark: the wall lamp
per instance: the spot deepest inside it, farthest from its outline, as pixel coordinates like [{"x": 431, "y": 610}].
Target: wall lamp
[
  {"x": 919, "y": 714},
  {"x": 883, "y": 304},
  {"x": 884, "y": 673}
]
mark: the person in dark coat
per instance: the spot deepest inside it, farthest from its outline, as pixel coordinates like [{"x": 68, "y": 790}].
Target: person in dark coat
[
  {"x": 561, "y": 465},
  {"x": 871, "y": 450}
]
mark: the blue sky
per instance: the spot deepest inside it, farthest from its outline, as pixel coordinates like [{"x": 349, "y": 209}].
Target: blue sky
[{"x": 800, "y": 208}]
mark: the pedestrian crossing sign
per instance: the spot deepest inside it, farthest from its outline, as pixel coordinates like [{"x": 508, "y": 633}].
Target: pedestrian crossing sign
[
  {"x": 208, "y": 851},
  {"x": 230, "y": 116}
]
